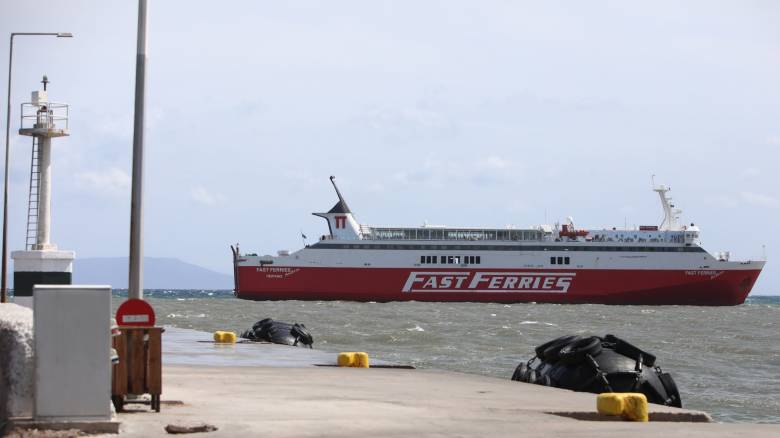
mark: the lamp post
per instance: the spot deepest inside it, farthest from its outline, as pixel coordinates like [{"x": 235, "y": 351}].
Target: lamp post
[
  {"x": 3, "y": 274},
  {"x": 135, "y": 287}
]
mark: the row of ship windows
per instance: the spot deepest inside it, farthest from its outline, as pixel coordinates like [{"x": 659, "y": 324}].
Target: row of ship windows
[
  {"x": 584, "y": 247},
  {"x": 560, "y": 260},
  {"x": 451, "y": 260},
  {"x": 449, "y": 234},
  {"x": 475, "y": 260}
]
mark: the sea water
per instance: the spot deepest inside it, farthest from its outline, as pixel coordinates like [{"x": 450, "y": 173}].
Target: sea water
[{"x": 725, "y": 360}]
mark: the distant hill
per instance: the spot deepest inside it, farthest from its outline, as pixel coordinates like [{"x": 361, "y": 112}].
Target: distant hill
[{"x": 159, "y": 273}]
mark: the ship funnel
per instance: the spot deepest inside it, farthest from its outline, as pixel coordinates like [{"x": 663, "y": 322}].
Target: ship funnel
[
  {"x": 341, "y": 222},
  {"x": 344, "y": 208}
]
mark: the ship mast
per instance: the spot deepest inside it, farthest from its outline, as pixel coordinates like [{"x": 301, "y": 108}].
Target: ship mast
[{"x": 671, "y": 214}]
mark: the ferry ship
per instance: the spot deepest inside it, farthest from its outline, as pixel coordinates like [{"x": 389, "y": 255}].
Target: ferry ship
[{"x": 657, "y": 264}]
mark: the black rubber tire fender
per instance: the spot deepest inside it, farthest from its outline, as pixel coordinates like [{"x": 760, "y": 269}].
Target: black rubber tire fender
[
  {"x": 520, "y": 371},
  {"x": 629, "y": 350},
  {"x": 575, "y": 352},
  {"x": 282, "y": 337},
  {"x": 553, "y": 353},
  {"x": 261, "y": 323},
  {"x": 265, "y": 333},
  {"x": 561, "y": 341},
  {"x": 302, "y": 334},
  {"x": 671, "y": 389},
  {"x": 270, "y": 328}
]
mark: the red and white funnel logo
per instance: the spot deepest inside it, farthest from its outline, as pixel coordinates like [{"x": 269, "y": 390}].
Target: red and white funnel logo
[{"x": 552, "y": 282}]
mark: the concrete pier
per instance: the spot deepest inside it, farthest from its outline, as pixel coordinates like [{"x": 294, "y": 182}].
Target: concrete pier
[{"x": 279, "y": 391}]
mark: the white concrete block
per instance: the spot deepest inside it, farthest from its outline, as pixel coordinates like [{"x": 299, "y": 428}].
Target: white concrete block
[
  {"x": 72, "y": 342},
  {"x": 43, "y": 261}
]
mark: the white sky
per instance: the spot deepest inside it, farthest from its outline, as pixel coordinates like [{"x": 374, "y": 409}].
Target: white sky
[{"x": 460, "y": 113}]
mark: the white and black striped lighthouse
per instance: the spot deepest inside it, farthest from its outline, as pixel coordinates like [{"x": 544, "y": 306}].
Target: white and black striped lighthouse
[{"x": 41, "y": 262}]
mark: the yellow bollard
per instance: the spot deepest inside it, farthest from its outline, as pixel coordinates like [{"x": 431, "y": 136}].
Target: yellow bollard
[
  {"x": 353, "y": 359},
  {"x": 635, "y": 407},
  {"x": 362, "y": 360},
  {"x": 610, "y": 403},
  {"x": 346, "y": 359},
  {"x": 223, "y": 337},
  {"x": 630, "y": 405}
]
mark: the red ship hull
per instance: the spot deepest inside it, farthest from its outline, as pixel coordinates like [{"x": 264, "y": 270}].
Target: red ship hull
[{"x": 598, "y": 286}]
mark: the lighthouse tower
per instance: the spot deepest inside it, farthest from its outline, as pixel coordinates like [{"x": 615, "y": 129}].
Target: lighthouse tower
[{"x": 41, "y": 262}]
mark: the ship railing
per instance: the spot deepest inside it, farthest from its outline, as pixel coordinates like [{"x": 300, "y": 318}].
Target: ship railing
[
  {"x": 366, "y": 232},
  {"x": 508, "y": 235},
  {"x": 501, "y": 235}
]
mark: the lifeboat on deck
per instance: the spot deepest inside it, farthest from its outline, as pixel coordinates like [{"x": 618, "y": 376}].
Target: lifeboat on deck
[{"x": 571, "y": 232}]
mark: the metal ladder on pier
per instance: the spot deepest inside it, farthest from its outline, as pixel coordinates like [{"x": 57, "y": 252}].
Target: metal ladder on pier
[{"x": 35, "y": 194}]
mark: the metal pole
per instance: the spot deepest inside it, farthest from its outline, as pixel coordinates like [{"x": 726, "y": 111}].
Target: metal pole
[
  {"x": 135, "y": 281},
  {"x": 4, "y": 280}
]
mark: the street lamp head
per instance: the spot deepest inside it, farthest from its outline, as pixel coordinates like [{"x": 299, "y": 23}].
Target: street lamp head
[{"x": 64, "y": 35}]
